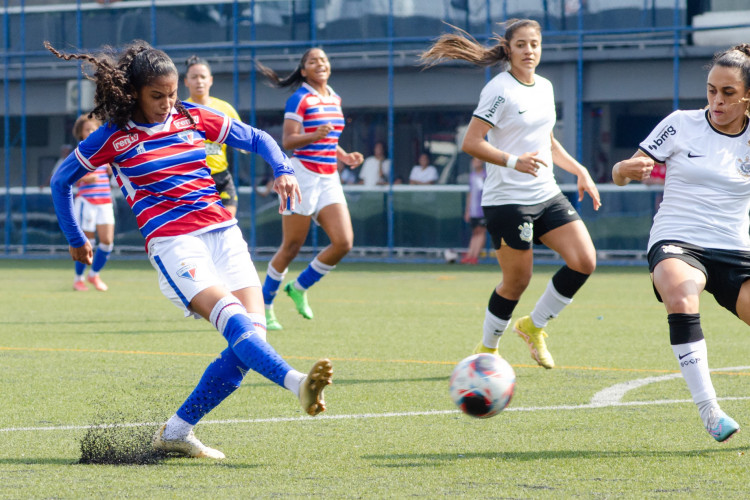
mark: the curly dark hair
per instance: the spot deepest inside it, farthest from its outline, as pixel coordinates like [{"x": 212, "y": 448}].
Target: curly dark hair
[{"x": 118, "y": 79}]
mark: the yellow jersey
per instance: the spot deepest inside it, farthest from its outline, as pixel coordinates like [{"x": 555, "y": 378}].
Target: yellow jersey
[{"x": 216, "y": 154}]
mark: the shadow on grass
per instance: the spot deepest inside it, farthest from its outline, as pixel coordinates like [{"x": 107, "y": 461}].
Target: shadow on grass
[{"x": 435, "y": 459}]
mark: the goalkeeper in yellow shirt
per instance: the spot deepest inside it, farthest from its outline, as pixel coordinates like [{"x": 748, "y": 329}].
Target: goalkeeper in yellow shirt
[{"x": 198, "y": 80}]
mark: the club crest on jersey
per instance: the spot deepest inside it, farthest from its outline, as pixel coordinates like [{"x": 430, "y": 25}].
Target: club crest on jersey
[
  {"x": 186, "y": 136},
  {"x": 140, "y": 149},
  {"x": 743, "y": 166},
  {"x": 182, "y": 123},
  {"x": 187, "y": 271},
  {"x": 527, "y": 231},
  {"x": 672, "y": 249},
  {"x": 124, "y": 143}
]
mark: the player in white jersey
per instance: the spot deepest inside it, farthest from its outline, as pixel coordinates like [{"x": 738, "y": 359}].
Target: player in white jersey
[
  {"x": 511, "y": 130},
  {"x": 699, "y": 239}
]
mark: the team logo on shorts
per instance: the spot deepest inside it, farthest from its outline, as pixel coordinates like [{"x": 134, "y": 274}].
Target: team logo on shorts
[
  {"x": 187, "y": 271},
  {"x": 743, "y": 166},
  {"x": 672, "y": 249},
  {"x": 527, "y": 231}
]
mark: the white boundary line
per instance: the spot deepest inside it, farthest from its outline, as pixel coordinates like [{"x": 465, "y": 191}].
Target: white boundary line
[{"x": 606, "y": 398}]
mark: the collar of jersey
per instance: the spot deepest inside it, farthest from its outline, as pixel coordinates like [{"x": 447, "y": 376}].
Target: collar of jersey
[{"x": 744, "y": 127}]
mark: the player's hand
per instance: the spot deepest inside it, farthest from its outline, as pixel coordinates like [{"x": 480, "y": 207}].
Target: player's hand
[
  {"x": 353, "y": 159},
  {"x": 586, "y": 185},
  {"x": 288, "y": 189},
  {"x": 528, "y": 163},
  {"x": 323, "y": 131},
  {"x": 84, "y": 254},
  {"x": 637, "y": 169}
]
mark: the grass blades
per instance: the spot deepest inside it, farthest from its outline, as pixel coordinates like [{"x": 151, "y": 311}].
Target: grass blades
[{"x": 125, "y": 360}]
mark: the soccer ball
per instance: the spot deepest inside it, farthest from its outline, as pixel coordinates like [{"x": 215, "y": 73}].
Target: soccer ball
[
  {"x": 450, "y": 256},
  {"x": 482, "y": 385}
]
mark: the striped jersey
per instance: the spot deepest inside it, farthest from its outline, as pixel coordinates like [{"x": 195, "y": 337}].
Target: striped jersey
[
  {"x": 216, "y": 154},
  {"x": 97, "y": 192},
  {"x": 311, "y": 109},
  {"x": 162, "y": 172}
]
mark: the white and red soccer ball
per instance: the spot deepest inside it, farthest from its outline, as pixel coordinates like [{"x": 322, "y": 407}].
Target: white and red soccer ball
[{"x": 482, "y": 385}]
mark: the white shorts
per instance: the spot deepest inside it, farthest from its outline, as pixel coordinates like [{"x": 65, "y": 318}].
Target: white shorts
[
  {"x": 318, "y": 190},
  {"x": 188, "y": 264},
  {"x": 89, "y": 215}
]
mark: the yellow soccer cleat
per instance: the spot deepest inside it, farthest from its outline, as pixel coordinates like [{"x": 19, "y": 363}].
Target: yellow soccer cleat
[
  {"x": 534, "y": 338},
  {"x": 311, "y": 388},
  {"x": 189, "y": 446},
  {"x": 480, "y": 348}
]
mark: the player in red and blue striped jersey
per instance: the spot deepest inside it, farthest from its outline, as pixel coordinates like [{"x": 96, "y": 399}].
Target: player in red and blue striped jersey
[
  {"x": 313, "y": 122},
  {"x": 94, "y": 211},
  {"x": 155, "y": 145}
]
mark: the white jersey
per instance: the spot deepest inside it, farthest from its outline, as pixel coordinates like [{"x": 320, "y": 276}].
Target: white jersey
[
  {"x": 707, "y": 187},
  {"x": 522, "y": 117}
]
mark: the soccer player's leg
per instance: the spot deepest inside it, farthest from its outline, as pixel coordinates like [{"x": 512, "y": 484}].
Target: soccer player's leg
[
  {"x": 496, "y": 321},
  {"x": 270, "y": 288}
]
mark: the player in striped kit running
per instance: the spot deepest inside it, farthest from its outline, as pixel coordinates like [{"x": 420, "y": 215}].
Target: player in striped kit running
[
  {"x": 313, "y": 122},
  {"x": 94, "y": 211},
  {"x": 155, "y": 145}
]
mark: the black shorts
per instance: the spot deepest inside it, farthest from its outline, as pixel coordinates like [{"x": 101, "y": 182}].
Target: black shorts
[
  {"x": 520, "y": 226},
  {"x": 225, "y": 187},
  {"x": 477, "y": 222},
  {"x": 725, "y": 270}
]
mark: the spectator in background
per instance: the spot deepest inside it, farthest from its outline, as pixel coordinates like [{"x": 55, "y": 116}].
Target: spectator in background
[
  {"x": 423, "y": 172},
  {"x": 474, "y": 215},
  {"x": 376, "y": 169},
  {"x": 346, "y": 173}
]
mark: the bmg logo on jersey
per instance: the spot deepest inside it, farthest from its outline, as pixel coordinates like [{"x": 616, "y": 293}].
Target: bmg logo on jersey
[
  {"x": 498, "y": 101},
  {"x": 662, "y": 138},
  {"x": 124, "y": 143}
]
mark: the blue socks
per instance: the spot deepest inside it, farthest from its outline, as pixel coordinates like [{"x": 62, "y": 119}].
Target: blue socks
[
  {"x": 100, "y": 257},
  {"x": 253, "y": 351},
  {"x": 312, "y": 273},
  {"x": 222, "y": 377},
  {"x": 271, "y": 284}
]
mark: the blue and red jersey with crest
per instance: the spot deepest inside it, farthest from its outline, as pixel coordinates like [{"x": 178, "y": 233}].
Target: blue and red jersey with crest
[
  {"x": 162, "y": 172},
  {"x": 97, "y": 192},
  {"x": 312, "y": 110}
]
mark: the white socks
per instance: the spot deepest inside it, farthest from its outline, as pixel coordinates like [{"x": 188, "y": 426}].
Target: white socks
[
  {"x": 493, "y": 328},
  {"x": 549, "y": 305},
  {"x": 177, "y": 428},
  {"x": 693, "y": 360},
  {"x": 293, "y": 380}
]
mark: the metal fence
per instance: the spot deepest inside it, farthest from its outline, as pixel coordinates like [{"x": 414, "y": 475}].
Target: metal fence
[{"x": 391, "y": 221}]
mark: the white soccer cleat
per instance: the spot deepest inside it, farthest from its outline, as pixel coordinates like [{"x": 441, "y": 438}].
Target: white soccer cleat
[
  {"x": 311, "y": 388},
  {"x": 189, "y": 446}
]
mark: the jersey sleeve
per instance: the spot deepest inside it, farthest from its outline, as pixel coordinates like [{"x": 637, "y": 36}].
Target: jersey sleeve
[
  {"x": 94, "y": 151},
  {"x": 61, "y": 184},
  {"x": 661, "y": 142},
  {"x": 243, "y": 136},
  {"x": 214, "y": 124},
  {"x": 491, "y": 104},
  {"x": 295, "y": 107}
]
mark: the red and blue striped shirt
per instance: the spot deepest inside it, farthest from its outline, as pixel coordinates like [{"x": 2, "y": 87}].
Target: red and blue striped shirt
[
  {"x": 97, "y": 192},
  {"x": 312, "y": 110}
]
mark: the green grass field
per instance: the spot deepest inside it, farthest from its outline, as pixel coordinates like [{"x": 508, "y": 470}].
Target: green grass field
[{"x": 69, "y": 360}]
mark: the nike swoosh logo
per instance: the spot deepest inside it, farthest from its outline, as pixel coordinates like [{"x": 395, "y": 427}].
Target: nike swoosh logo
[
  {"x": 691, "y": 155},
  {"x": 682, "y": 356},
  {"x": 522, "y": 112},
  {"x": 571, "y": 212}
]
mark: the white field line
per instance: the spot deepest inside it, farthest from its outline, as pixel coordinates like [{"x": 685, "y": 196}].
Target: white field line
[
  {"x": 362, "y": 415},
  {"x": 609, "y": 397}
]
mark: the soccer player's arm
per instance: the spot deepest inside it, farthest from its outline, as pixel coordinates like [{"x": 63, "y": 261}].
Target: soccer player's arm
[
  {"x": 61, "y": 185},
  {"x": 638, "y": 168}
]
